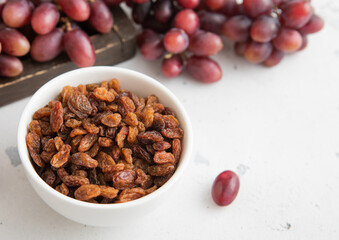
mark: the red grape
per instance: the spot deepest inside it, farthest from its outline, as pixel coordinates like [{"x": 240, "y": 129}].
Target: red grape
[
  {"x": 237, "y": 28},
  {"x": 255, "y": 8},
  {"x": 13, "y": 42},
  {"x": 173, "y": 66},
  {"x": 47, "y": 47},
  {"x": 176, "y": 41},
  {"x": 188, "y": 3},
  {"x": 231, "y": 8},
  {"x": 10, "y": 66},
  {"x": 215, "y": 4},
  {"x": 38, "y": 2},
  {"x": 225, "y": 188},
  {"x": 296, "y": 14},
  {"x": 205, "y": 43},
  {"x": 264, "y": 29},
  {"x": 140, "y": 11},
  {"x": 144, "y": 35},
  {"x": 187, "y": 20},
  {"x": 152, "y": 23},
  {"x": 113, "y": 2},
  {"x": 288, "y": 40},
  {"x": 314, "y": 25},
  {"x": 257, "y": 52},
  {"x": 211, "y": 21},
  {"x": 45, "y": 17},
  {"x": 2, "y": 5},
  {"x": 140, "y": 1},
  {"x": 304, "y": 43},
  {"x": 152, "y": 47},
  {"x": 274, "y": 59},
  {"x": 204, "y": 69},
  {"x": 79, "y": 48},
  {"x": 240, "y": 47},
  {"x": 101, "y": 17},
  {"x": 77, "y": 10},
  {"x": 163, "y": 10},
  {"x": 16, "y": 13}
]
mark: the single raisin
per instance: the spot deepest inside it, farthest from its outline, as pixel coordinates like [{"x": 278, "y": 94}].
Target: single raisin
[{"x": 86, "y": 192}]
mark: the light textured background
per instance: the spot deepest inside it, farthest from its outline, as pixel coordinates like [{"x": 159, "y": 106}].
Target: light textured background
[{"x": 277, "y": 128}]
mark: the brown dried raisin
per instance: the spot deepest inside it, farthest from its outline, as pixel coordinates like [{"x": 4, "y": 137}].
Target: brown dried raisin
[
  {"x": 34, "y": 126},
  {"x": 131, "y": 119},
  {"x": 141, "y": 153},
  {"x": 79, "y": 104},
  {"x": 148, "y": 117},
  {"x": 90, "y": 127},
  {"x": 108, "y": 192},
  {"x": 130, "y": 194},
  {"x": 87, "y": 142},
  {"x": 160, "y": 146},
  {"x": 121, "y": 136},
  {"x": 74, "y": 181},
  {"x": 103, "y": 94},
  {"x": 176, "y": 149},
  {"x": 125, "y": 105},
  {"x": 149, "y": 137},
  {"x": 127, "y": 154},
  {"x": 61, "y": 158},
  {"x": 62, "y": 188},
  {"x": 83, "y": 159},
  {"x": 162, "y": 157},
  {"x": 105, "y": 142},
  {"x": 161, "y": 170},
  {"x": 41, "y": 113},
  {"x": 78, "y": 131},
  {"x": 33, "y": 145},
  {"x": 57, "y": 115},
  {"x": 124, "y": 179},
  {"x": 111, "y": 120},
  {"x": 173, "y": 132},
  {"x": 132, "y": 134},
  {"x": 86, "y": 192}
]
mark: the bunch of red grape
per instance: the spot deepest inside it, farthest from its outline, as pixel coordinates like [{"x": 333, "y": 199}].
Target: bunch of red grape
[
  {"x": 44, "y": 28},
  {"x": 184, "y": 33}
]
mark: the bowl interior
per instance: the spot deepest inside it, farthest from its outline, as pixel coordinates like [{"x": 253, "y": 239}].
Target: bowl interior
[{"x": 138, "y": 83}]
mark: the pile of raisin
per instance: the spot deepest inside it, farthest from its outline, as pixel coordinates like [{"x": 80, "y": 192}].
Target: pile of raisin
[{"x": 102, "y": 144}]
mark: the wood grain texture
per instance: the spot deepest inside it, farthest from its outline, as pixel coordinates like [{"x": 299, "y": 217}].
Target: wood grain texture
[{"x": 110, "y": 49}]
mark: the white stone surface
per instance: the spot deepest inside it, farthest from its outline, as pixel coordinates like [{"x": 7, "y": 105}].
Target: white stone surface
[{"x": 277, "y": 128}]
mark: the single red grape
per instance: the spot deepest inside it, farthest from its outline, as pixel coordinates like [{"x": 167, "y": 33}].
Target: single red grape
[
  {"x": 187, "y": 20},
  {"x": 205, "y": 43},
  {"x": 144, "y": 35},
  {"x": 17, "y": 13},
  {"x": 237, "y": 28},
  {"x": 204, "y": 69},
  {"x": 10, "y": 66},
  {"x": 211, "y": 21},
  {"x": 264, "y": 29},
  {"x": 188, "y": 3},
  {"x": 315, "y": 24},
  {"x": 44, "y": 18},
  {"x": 257, "y": 52},
  {"x": 163, "y": 10},
  {"x": 274, "y": 59},
  {"x": 288, "y": 40},
  {"x": 173, "y": 66},
  {"x": 255, "y": 8},
  {"x": 141, "y": 11},
  {"x": 47, "y": 47},
  {"x": 176, "y": 41},
  {"x": 79, "y": 48},
  {"x": 152, "y": 47},
  {"x": 296, "y": 14},
  {"x": 77, "y": 10},
  {"x": 13, "y": 42},
  {"x": 215, "y": 4},
  {"x": 101, "y": 17},
  {"x": 240, "y": 47},
  {"x": 225, "y": 188}
]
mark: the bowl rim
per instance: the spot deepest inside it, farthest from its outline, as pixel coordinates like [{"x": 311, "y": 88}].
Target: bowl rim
[{"x": 33, "y": 175}]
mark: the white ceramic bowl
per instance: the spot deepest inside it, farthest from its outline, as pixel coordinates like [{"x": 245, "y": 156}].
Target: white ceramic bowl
[{"x": 103, "y": 214}]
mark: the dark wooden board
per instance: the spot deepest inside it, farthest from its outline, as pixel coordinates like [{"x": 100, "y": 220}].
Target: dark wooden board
[{"x": 110, "y": 49}]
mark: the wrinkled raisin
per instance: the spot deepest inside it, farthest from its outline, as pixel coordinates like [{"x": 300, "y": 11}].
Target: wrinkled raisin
[
  {"x": 176, "y": 149},
  {"x": 148, "y": 117},
  {"x": 62, "y": 188},
  {"x": 103, "y": 94},
  {"x": 131, "y": 119},
  {"x": 87, "y": 142},
  {"x": 49, "y": 177},
  {"x": 34, "y": 126},
  {"x": 141, "y": 153},
  {"x": 114, "y": 84},
  {"x": 161, "y": 157},
  {"x": 125, "y": 105},
  {"x": 150, "y": 137},
  {"x": 33, "y": 145},
  {"x": 160, "y": 146},
  {"x": 83, "y": 159},
  {"x": 127, "y": 154},
  {"x": 90, "y": 127},
  {"x": 121, "y": 136},
  {"x": 86, "y": 192},
  {"x": 79, "y": 104},
  {"x": 58, "y": 143},
  {"x": 111, "y": 120},
  {"x": 104, "y": 160},
  {"x": 108, "y": 192},
  {"x": 57, "y": 115},
  {"x": 161, "y": 170},
  {"x": 61, "y": 158},
  {"x": 172, "y": 132},
  {"x": 94, "y": 150},
  {"x": 105, "y": 142},
  {"x": 132, "y": 134},
  {"x": 116, "y": 153},
  {"x": 78, "y": 131},
  {"x": 74, "y": 181},
  {"x": 143, "y": 179},
  {"x": 42, "y": 112},
  {"x": 130, "y": 194},
  {"x": 124, "y": 179},
  {"x": 111, "y": 132}
]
